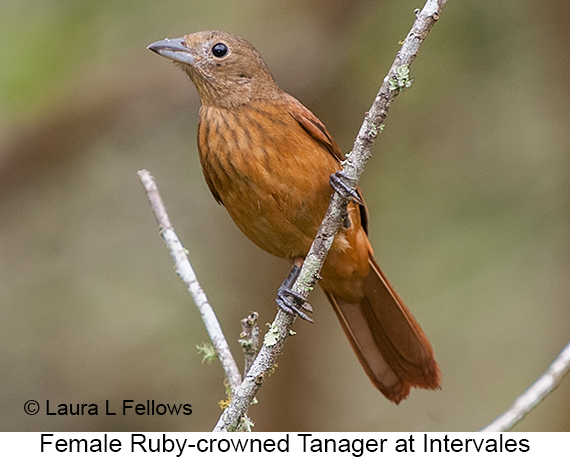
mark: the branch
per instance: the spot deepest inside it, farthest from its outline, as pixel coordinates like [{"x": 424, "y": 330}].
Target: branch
[
  {"x": 186, "y": 273},
  {"x": 353, "y": 166},
  {"x": 534, "y": 394}
]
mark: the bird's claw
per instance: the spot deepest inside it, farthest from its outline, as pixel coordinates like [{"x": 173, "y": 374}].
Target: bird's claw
[
  {"x": 290, "y": 301},
  {"x": 343, "y": 185},
  {"x": 293, "y": 303}
]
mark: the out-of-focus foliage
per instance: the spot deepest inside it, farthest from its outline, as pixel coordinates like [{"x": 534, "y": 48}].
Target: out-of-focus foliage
[{"x": 467, "y": 190}]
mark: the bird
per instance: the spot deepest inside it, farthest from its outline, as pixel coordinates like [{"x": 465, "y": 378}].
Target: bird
[{"x": 271, "y": 163}]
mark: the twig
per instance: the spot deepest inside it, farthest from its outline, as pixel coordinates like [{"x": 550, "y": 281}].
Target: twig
[
  {"x": 353, "y": 166},
  {"x": 186, "y": 273},
  {"x": 534, "y": 394},
  {"x": 249, "y": 339}
]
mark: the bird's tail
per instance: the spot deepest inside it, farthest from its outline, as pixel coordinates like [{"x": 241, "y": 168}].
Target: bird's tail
[{"x": 390, "y": 344}]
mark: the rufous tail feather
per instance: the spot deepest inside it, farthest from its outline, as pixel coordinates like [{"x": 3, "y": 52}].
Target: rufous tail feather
[{"x": 388, "y": 341}]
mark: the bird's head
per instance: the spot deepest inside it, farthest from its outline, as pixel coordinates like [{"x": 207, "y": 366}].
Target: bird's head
[{"x": 226, "y": 69}]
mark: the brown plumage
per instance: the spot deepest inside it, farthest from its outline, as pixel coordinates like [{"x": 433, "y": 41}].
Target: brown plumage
[{"x": 268, "y": 159}]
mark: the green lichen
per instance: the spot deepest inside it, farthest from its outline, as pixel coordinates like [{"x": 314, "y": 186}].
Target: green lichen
[
  {"x": 208, "y": 352},
  {"x": 402, "y": 79},
  {"x": 272, "y": 335}
]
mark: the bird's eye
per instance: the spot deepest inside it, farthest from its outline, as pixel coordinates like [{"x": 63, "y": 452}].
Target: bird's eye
[{"x": 219, "y": 50}]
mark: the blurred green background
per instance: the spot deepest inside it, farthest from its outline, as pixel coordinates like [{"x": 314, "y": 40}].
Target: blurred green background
[{"x": 468, "y": 192}]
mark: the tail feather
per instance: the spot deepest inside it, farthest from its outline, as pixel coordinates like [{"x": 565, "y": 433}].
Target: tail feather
[{"x": 389, "y": 343}]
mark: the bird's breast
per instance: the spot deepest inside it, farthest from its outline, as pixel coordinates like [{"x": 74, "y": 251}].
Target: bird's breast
[{"x": 269, "y": 173}]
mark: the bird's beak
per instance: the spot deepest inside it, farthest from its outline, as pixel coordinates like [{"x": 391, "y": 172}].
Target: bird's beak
[{"x": 173, "y": 49}]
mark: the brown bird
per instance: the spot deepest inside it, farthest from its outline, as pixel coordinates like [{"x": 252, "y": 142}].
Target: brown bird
[{"x": 268, "y": 160}]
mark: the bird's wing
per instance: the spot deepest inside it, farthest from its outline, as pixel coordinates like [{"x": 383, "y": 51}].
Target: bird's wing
[{"x": 314, "y": 127}]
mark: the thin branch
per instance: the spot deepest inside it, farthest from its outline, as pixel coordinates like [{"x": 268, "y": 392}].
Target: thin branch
[
  {"x": 534, "y": 394},
  {"x": 249, "y": 339},
  {"x": 185, "y": 271},
  {"x": 353, "y": 166}
]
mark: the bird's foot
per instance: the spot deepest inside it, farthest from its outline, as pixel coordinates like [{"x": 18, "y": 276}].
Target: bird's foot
[
  {"x": 290, "y": 301},
  {"x": 343, "y": 185}
]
